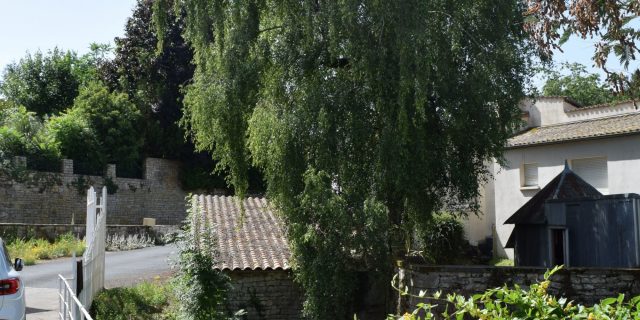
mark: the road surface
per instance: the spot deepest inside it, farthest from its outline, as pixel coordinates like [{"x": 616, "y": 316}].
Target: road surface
[{"x": 123, "y": 268}]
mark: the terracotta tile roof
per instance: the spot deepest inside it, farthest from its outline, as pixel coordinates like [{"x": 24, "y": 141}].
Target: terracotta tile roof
[
  {"x": 592, "y": 128},
  {"x": 255, "y": 241}
]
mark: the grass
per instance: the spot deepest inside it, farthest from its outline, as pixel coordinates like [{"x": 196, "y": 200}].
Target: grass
[
  {"x": 145, "y": 301},
  {"x": 501, "y": 262},
  {"x": 32, "y": 250}
]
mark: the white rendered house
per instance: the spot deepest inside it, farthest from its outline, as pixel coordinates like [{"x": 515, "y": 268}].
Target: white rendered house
[{"x": 600, "y": 143}]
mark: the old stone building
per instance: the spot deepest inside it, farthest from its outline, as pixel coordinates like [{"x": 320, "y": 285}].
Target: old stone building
[{"x": 253, "y": 250}]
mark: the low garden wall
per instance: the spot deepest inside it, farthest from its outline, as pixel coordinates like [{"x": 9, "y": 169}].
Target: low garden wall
[
  {"x": 51, "y": 231},
  {"x": 265, "y": 294},
  {"x": 583, "y": 285}
]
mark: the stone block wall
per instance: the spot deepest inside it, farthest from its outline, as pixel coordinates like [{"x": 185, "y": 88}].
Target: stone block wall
[
  {"x": 265, "y": 294},
  {"x": 60, "y": 197},
  {"x": 583, "y": 285},
  {"x": 50, "y": 232}
]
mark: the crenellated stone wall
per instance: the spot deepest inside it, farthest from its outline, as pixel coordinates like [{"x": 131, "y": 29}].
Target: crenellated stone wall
[
  {"x": 60, "y": 197},
  {"x": 583, "y": 285}
]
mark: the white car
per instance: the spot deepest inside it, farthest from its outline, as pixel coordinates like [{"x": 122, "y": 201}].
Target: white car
[{"x": 12, "y": 304}]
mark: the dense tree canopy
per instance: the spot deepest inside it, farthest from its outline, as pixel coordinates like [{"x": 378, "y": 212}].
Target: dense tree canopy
[
  {"x": 363, "y": 115},
  {"x": 115, "y": 121},
  {"x": 153, "y": 79},
  {"x": 583, "y": 87},
  {"x": 47, "y": 83},
  {"x": 43, "y": 83}
]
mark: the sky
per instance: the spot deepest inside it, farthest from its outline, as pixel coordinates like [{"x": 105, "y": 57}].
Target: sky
[{"x": 29, "y": 25}]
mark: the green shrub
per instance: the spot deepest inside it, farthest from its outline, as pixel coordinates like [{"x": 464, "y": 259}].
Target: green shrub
[
  {"x": 23, "y": 134},
  {"x": 116, "y": 122},
  {"x": 443, "y": 239},
  {"x": 147, "y": 300},
  {"x": 77, "y": 141},
  {"x": 518, "y": 303},
  {"x": 200, "y": 290},
  {"x": 40, "y": 249},
  {"x": 20, "y": 248},
  {"x": 11, "y": 142}
]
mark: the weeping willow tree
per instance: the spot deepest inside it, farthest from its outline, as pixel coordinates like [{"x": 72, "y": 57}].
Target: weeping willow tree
[{"x": 363, "y": 115}]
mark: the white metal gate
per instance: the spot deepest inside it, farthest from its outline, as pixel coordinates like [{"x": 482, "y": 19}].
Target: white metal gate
[{"x": 73, "y": 305}]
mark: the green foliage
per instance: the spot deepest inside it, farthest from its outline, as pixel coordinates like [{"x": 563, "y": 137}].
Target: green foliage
[
  {"x": 153, "y": 80},
  {"x": 518, "y": 303},
  {"x": 371, "y": 112},
  {"x": 35, "y": 249},
  {"x": 47, "y": 83},
  {"x": 78, "y": 141},
  {"x": 144, "y": 301},
  {"x": 500, "y": 262},
  {"x": 195, "y": 177},
  {"x": 23, "y": 134},
  {"x": 443, "y": 238},
  {"x": 200, "y": 290},
  {"x": 43, "y": 83},
  {"x": 579, "y": 85},
  {"x": 325, "y": 254},
  {"x": 112, "y": 187},
  {"x": 115, "y": 122}
]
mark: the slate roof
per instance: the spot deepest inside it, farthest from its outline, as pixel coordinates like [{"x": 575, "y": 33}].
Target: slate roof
[
  {"x": 566, "y": 185},
  {"x": 592, "y": 128},
  {"x": 256, "y": 241}
]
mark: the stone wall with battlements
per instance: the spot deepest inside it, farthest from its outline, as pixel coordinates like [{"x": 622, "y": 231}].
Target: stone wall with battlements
[{"x": 60, "y": 197}]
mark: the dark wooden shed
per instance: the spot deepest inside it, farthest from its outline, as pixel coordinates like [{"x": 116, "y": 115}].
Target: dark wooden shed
[{"x": 569, "y": 222}]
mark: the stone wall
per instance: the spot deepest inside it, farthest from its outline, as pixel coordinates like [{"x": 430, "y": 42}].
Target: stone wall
[
  {"x": 583, "y": 285},
  {"x": 60, "y": 198},
  {"x": 265, "y": 294},
  {"x": 50, "y": 231}
]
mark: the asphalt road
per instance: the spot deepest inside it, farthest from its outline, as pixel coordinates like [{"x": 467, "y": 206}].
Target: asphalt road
[{"x": 123, "y": 268}]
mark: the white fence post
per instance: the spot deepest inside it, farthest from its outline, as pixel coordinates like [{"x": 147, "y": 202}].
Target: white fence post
[{"x": 73, "y": 305}]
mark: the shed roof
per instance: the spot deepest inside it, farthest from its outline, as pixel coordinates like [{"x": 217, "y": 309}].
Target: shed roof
[
  {"x": 628, "y": 123},
  {"x": 255, "y": 241},
  {"x": 566, "y": 185}
]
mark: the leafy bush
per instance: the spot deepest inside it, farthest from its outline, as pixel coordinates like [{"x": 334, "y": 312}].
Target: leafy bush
[
  {"x": 200, "y": 290},
  {"x": 23, "y": 134},
  {"x": 76, "y": 140},
  {"x": 12, "y": 142},
  {"x": 443, "y": 239},
  {"x": 518, "y": 303},
  {"x": 147, "y": 300},
  {"x": 40, "y": 249},
  {"x": 115, "y": 121}
]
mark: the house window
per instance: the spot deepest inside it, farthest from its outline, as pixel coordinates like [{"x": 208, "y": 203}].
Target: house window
[
  {"x": 593, "y": 171},
  {"x": 529, "y": 175}
]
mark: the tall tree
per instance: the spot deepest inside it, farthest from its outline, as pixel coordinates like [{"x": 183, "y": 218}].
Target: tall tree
[
  {"x": 362, "y": 114},
  {"x": 610, "y": 22},
  {"x": 581, "y": 86},
  {"x": 43, "y": 83},
  {"x": 114, "y": 120},
  {"x": 47, "y": 83},
  {"x": 154, "y": 79}
]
